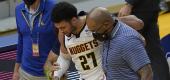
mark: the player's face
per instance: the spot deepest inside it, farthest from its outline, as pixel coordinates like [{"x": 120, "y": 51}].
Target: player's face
[{"x": 65, "y": 27}]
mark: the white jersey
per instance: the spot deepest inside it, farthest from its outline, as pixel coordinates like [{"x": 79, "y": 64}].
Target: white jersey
[{"x": 86, "y": 54}]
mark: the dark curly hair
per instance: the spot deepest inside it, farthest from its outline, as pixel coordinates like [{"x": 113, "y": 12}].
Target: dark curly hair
[{"x": 63, "y": 11}]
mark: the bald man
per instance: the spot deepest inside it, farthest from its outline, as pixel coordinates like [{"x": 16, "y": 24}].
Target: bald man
[{"x": 124, "y": 56}]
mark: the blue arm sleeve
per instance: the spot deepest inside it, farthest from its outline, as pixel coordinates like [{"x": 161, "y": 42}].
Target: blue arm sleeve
[
  {"x": 20, "y": 38},
  {"x": 19, "y": 46}
]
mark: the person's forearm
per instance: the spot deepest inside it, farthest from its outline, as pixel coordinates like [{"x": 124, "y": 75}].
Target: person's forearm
[
  {"x": 132, "y": 21},
  {"x": 145, "y": 72},
  {"x": 47, "y": 70},
  {"x": 50, "y": 60},
  {"x": 16, "y": 68},
  {"x": 47, "y": 65},
  {"x": 52, "y": 57},
  {"x": 129, "y": 5}
]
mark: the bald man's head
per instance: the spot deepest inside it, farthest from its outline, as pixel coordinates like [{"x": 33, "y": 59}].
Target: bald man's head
[
  {"x": 99, "y": 20},
  {"x": 99, "y": 17},
  {"x": 99, "y": 14}
]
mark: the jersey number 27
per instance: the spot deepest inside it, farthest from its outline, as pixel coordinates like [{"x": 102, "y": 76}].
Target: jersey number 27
[{"x": 84, "y": 62}]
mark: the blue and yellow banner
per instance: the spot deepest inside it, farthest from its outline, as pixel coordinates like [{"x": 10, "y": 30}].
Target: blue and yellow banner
[{"x": 164, "y": 27}]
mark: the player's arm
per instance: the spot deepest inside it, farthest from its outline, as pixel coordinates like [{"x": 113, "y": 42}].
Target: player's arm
[
  {"x": 145, "y": 72},
  {"x": 132, "y": 21},
  {"x": 64, "y": 62},
  {"x": 49, "y": 67}
]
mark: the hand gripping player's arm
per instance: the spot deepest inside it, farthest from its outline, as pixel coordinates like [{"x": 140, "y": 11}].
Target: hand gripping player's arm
[
  {"x": 50, "y": 65},
  {"x": 63, "y": 59},
  {"x": 64, "y": 62}
]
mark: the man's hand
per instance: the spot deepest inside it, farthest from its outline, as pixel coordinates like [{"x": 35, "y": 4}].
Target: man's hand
[
  {"x": 16, "y": 72},
  {"x": 55, "y": 78},
  {"x": 125, "y": 10},
  {"x": 64, "y": 77},
  {"x": 15, "y": 76},
  {"x": 53, "y": 68},
  {"x": 48, "y": 67}
]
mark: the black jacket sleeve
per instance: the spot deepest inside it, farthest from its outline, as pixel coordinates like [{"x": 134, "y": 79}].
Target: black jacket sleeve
[
  {"x": 133, "y": 2},
  {"x": 56, "y": 47}
]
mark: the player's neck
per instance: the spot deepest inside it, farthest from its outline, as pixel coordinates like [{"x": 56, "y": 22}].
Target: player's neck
[{"x": 80, "y": 24}]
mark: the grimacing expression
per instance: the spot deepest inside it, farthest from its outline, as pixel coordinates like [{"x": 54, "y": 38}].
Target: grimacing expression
[{"x": 65, "y": 27}]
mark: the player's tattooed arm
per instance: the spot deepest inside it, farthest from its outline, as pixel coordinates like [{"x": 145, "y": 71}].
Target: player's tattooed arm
[
  {"x": 145, "y": 72},
  {"x": 132, "y": 21}
]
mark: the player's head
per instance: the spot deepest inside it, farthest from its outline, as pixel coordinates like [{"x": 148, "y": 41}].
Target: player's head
[
  {"x": 100, "y": 22},
  {"x": 64, "y": 16}
]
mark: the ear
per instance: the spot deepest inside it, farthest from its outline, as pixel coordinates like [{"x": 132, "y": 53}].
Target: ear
[
  {"x": 107, "y": 24},
  {"x": 74, "y": 20}
]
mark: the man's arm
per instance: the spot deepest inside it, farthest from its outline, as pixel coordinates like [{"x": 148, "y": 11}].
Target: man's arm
[
  {"x": 54, "y": 61},
  {"x": 64, "y": 63},
  {"x": 52, "y": 57},
  {"x": 135, "y": 55},
  {"x": 132, "y": 21},
  {"x": 49, "y": 67},
  {"x": 146, "y": 72},
  {"x": 16, "y": 72},
  {"x": 127, "y": 8},
  {"x": 19, "y": 54}
]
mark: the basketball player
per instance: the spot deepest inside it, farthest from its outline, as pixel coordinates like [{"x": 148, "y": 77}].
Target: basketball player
[{"x": 82, "y": 48}]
